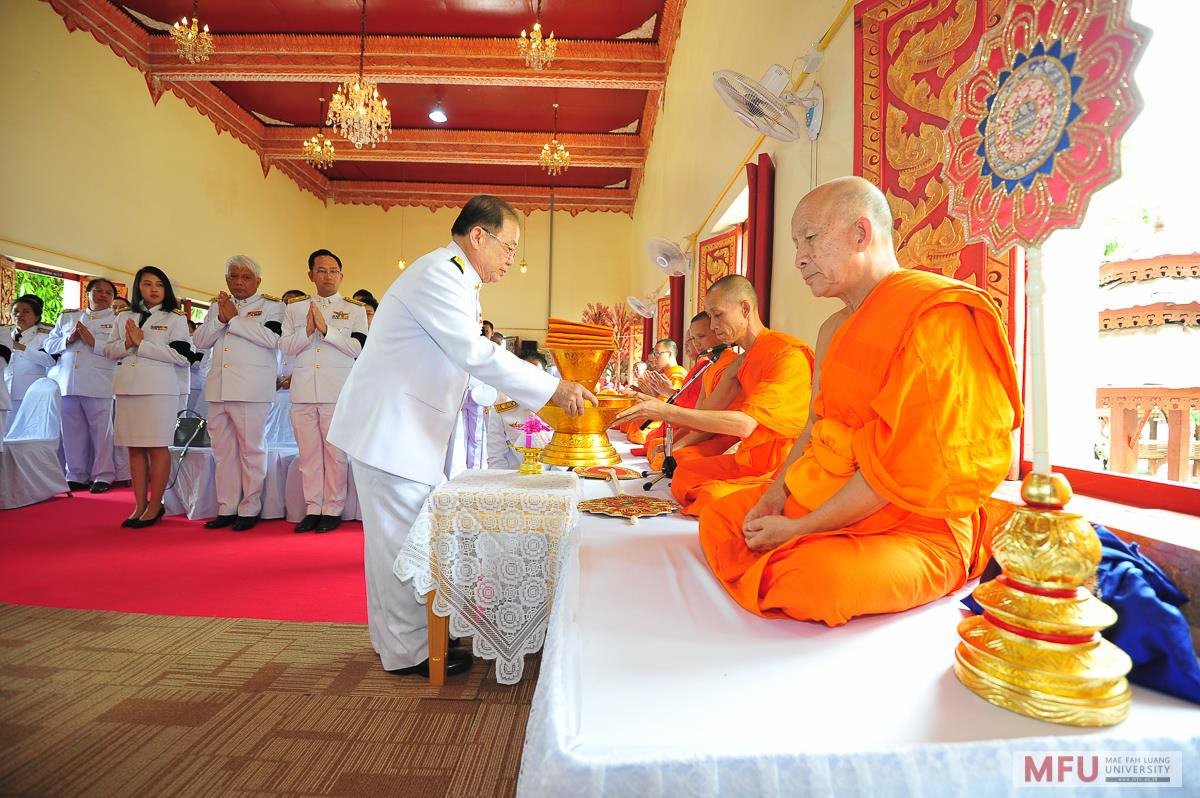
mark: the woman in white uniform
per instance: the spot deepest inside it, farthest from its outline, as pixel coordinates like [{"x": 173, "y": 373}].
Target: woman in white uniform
[
  {"x": 148, "y": 342},
  {"x": 29, "y": 360}
]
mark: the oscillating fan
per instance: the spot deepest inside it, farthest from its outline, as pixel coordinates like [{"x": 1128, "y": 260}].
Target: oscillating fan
[
  {"x": 643, "y": 306},
  {"x": 668, "y": 257},
  {"x": 765, "y": 105}
]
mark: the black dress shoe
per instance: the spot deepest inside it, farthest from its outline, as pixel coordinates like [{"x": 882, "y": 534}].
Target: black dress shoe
[
  {"x": 457, "y": 661},
  {"x": 100, "y": 487},
  {"x": 329, "y": 523},
  {"x": 142, "y": 523},
  {"x": 78, "y": 485},
  {"x": 308, "y": 523},
  {"x": 130, "y": 522},
  {"x": 244, "y": 522},
  {"x": 220, "y": 521}
]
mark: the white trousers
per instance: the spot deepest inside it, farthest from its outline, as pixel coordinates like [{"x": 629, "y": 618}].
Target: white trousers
[
  {"x": 87, "y": 427},
  {"x": 475, "y": 422},
  {"x": 398, "y": 623},
  {"x": 239, "y": 446},
  {"x": 323, "y": 466}
]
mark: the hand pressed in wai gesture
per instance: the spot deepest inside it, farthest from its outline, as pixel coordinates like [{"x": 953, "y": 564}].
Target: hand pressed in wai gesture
[
  {"x": 226, "y": 310},
  {"x": 82, "y": 333},
  {"x": 316, "y": 320},
  {"x": 133, "y": 334}
]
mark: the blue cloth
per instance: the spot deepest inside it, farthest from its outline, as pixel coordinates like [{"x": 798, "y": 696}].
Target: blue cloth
[{"x": 1149, "y": 628}]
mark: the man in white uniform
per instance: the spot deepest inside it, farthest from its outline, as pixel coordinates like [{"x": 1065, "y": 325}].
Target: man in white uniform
[
  {"x": 397, "y": 412},
  {"x": 85, "y": 376},
  {"x": 322, "y": 336},
  {"x": 502, "y": 436},
  {"x": 242, "y": 329}
]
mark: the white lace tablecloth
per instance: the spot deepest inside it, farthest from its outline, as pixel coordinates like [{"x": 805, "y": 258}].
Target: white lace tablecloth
[{"x": 490, "y": 542}]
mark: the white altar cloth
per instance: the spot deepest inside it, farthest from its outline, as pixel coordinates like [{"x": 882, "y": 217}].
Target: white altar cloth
[{"x": 655, "y": 683}]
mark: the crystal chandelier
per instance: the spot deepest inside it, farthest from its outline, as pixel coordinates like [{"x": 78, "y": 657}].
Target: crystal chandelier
[
  {"x": 356, "y": 109},
  {"x": 554, "y": 158},
  {"x": 193, "y": 43},
  {"x": 318, "y": 150},
  {"x": 536, "y": 51}
]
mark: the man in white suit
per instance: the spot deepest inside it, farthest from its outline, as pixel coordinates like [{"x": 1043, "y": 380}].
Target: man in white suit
[{"x": 397, "y": 411}]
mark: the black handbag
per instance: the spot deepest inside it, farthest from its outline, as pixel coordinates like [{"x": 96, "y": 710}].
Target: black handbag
[{"x": 191, "y": 430}]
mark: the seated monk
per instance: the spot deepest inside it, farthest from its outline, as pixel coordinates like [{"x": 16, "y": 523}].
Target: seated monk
[
  {"x": 697, "y": 444},
  {"x": 879, "y": 507},
  {"x": 762, "y": 400},
  {"x": 663, "y": 379}
]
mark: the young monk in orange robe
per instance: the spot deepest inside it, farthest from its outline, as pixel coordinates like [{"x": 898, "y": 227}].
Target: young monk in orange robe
[
  {"x": 762, "y": 399},
  {"x": 700, "y": 339},
  {"x": 664, "y": 361},
  {"x": 879, "y": 507}
]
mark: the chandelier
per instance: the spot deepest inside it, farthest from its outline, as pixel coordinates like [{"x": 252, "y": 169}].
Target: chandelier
[
  {"x": 356, "y": 109},
  {"x": 536, "y": 51},
  {"x": 318, "y": 150},
  {"x": 554, "y": 158},
  {"x": 193, "y": 43}
]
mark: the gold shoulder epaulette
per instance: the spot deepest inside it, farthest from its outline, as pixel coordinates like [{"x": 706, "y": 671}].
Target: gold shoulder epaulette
[
  {"x": 457, "y": 261},
  {"x": 214, "y": 300},
  {"x": 300, "y": 298},
  {"x": 271, "y": 298},
  {"x": 45, "y": 328},
  {"x": 354, "y": 301},
  {"x": 178, "y": 312},
  {"x": 500, "y": 408}
]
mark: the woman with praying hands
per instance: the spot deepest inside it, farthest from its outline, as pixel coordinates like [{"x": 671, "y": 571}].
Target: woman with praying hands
[{"x": 148, "y": 342}]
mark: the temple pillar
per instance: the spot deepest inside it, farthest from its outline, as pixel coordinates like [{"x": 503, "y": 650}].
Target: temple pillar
[
  {"x": 1123, "y": 424},
  {"x": 1179, "y": 444}
]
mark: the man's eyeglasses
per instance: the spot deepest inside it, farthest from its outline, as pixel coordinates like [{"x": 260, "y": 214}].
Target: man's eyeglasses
[
  {"x": 511, "y": 249},
  {"x": 326, "y": 272}
]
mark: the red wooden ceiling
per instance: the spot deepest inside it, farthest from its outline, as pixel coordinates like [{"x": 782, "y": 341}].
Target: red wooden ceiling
[
  {"x": 275, "y": 58},
  {"x": 575, "y": 19}
]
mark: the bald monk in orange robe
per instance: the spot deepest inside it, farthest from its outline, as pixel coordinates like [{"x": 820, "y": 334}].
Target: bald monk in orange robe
[
  {"x": 665, "y": 377},
  {"x": 879, "y": 507},
  {"x": 762, "y": 399},
  {"x": 689, "y": 444}
]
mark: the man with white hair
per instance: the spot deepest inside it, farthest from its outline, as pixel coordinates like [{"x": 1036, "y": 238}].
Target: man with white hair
[{"x": 242, "y": 329}]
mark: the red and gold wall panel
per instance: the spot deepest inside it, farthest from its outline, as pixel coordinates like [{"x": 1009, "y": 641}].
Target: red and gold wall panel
[
  {"x": 662, "y": 320},
  {"x": 718, "y": 257},
  {"x": 910, "y": 57}
]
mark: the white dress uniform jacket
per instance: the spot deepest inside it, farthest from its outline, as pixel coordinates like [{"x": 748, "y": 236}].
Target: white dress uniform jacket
[
  {"x": 502, "y": 436},
  {"x": 85, "y": 376},
  {"x": 399, "y": 408},
  {"x": 29, "y": 364},
  {"x": 6, "y": 343},
  {"x": 148, "y": 369},
  {"x": 321, "y": 363},
  {"x": 83, "y": 370},
  {"x": 244, "y": 359}
]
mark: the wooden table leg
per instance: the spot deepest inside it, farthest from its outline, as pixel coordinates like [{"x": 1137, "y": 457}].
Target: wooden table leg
[{"x": 439, "y": 642}]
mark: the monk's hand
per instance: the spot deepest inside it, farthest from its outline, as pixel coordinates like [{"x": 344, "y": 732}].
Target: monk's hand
[
  {"x": 652, "y": 408},
  {"x": 769, "y": 531},
  {"x": 770, "y": 503},
  {"x": 655, "y": 384},
  {"x": 573, "y": 397}
]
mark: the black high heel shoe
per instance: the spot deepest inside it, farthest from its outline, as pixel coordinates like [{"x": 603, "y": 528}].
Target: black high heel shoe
[
  {"x": 132, "y": 521},
  {"x": 143, "y": 523}
]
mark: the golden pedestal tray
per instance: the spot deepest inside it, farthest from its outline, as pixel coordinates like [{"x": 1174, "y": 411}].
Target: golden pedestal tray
[{"x": 583, "y": 440}]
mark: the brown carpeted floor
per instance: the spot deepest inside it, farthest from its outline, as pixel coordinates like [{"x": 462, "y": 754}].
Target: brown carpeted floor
[{"x": 112, "y": 704}]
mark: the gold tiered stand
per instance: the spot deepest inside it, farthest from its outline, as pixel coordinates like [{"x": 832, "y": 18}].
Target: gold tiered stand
[
  {"x": 583, "y": 440},
  {"x": 1037, "y": 648}
]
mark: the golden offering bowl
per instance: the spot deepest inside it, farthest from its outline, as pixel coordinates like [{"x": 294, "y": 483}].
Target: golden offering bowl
[
  {"x": 583, "y": 366},
  {"x": 583, "y": 440}
]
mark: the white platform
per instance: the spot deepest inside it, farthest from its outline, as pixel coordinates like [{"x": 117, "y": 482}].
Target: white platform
[{"x": 655, "y": 683}]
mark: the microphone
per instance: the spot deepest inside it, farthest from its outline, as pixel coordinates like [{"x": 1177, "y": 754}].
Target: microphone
[
  {"x": 712, "y": 354},
  {"x": 715, "y": 352}
]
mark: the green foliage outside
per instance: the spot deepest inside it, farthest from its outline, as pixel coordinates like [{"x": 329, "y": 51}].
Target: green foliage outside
[{"x": 49, "y": 289}]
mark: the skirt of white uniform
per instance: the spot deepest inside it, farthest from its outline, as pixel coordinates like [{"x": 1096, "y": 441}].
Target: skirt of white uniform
[{"x": 145, "y": 420}]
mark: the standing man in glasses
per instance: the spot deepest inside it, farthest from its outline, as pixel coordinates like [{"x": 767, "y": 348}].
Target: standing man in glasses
[
  {"x": 398, "y": 410},
  {"x": 322, "y": 336}
]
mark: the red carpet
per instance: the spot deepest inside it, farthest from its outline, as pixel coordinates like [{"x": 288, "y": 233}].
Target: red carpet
[{"x": 72, "y": 552}]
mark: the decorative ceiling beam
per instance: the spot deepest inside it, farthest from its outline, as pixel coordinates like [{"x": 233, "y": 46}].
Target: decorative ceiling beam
[
  {"x": 444, "y": 195},
  {"x": 466, "y": 146},
  {"x": 324, "y": 58}
]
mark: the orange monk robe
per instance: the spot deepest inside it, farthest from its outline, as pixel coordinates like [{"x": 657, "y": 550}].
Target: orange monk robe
[
  {"x": 919, "y": 393},
  {"x": 677, "y": 375},
  {"x": 776, "y": 384},
  {"x": 717, "y": 444}
]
